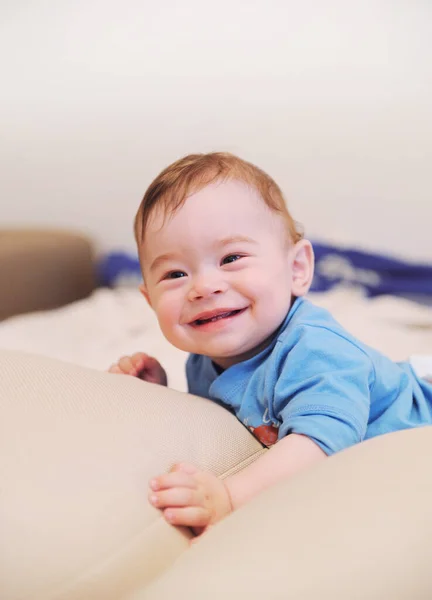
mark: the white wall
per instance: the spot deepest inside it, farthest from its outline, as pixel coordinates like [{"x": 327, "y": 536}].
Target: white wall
[{"x": 332, "y": 98}]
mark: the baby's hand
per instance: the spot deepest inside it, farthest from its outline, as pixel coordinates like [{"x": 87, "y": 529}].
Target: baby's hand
[
  {"x": 142, "y": 366},
  {"x": 192, "y": 498}
]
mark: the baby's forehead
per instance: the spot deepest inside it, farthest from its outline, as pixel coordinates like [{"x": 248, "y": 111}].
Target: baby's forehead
[
  {"x": 217, "y": 198},
  {"x": 212, "y": 218},
  {"x": 228, "y": 189}
]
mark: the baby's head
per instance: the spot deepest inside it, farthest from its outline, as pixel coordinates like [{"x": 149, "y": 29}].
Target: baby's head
[{"x": 222, "y": 258}]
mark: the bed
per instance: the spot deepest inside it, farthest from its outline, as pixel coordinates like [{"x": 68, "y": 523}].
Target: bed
[{"x": 82, "y": 446}]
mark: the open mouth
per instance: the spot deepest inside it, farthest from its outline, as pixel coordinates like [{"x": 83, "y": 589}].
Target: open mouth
[{"x": 218, "y": 317}]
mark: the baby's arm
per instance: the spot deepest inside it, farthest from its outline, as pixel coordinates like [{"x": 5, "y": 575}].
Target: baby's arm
[
  {"x": 199, "y": 499},
  {"x": 140, "y": 365},
  {"x": 287, "y": 457}
]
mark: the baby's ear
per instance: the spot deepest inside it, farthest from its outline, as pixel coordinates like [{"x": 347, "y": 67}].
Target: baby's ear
[
  {"x": 142, "y": 288},
  {"x": 302, "y": 267}
]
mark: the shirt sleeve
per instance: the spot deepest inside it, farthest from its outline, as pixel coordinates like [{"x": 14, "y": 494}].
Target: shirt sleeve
[{"x": 323, "y": 390}]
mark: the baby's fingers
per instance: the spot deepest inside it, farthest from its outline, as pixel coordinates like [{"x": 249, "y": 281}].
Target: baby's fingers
[
  {"x": 127, "y": 366},
  {"x": 190, "y": 516},
  {"x": 171, "y": 480},
  {"x": 139, "y": 360},
  {"x": 175, "y": 497}
]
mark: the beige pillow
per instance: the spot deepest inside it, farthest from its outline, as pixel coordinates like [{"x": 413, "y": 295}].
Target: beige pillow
[
  {"x": 77, "y": 448},
  {"x": 33, "y": 263},
  {"x": 357, "y": 526}
]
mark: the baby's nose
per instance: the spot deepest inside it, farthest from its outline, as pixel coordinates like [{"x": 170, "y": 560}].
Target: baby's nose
[{"x": 204, "y": 287}]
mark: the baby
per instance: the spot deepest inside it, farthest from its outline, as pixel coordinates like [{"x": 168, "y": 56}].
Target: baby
[{"x": 226, "y": 271}]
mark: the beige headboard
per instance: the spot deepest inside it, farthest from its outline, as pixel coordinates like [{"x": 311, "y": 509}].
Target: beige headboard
[{"x": 43, "y": 269}]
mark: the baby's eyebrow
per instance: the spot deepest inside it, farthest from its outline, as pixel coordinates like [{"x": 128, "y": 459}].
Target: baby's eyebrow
[
  {"x": 233, "y": 239},
  {"x": 161, "y": 259}
]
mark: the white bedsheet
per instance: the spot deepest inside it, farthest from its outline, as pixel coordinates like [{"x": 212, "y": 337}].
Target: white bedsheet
[{"x": 98, "y": 330}]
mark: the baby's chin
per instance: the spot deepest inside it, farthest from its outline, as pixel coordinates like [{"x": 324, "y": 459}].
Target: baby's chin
[{"x": 220, "y": 353}]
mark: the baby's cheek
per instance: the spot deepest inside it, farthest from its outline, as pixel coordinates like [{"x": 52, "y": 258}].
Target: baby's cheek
[
  {"x": 251, "y": 286},
  {"x": 166, "y": 321},
  {"x": 169, "y": 317}
]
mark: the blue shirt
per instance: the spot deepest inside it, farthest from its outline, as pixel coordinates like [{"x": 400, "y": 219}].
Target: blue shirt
[{"x": 317, "y": 380}]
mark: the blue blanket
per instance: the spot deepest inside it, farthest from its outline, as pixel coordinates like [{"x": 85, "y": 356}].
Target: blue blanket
[{"x": 376, "y": 273}]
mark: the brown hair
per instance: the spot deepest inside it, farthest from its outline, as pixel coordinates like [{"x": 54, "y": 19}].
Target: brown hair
[{"x": 193, "y": 172}]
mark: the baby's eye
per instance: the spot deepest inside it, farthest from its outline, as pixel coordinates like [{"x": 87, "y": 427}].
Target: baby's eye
[
  {"x": 231, "y": 258},
  {"x": 174, "y": 275}
]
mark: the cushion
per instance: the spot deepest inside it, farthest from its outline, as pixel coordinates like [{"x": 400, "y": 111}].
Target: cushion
[
  {"x": 77, "y": 449},
  {"x": 355, "y": 526},
  {"x": 43, "y": 269}
]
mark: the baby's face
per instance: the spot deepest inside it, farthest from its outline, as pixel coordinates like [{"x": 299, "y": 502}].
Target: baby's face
[{"x": 218, "y": 273}]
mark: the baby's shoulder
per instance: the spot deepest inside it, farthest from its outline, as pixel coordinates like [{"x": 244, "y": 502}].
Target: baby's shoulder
[
  {"x": 308, "y": 319},
  {"x": 312, "y": 330}
]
